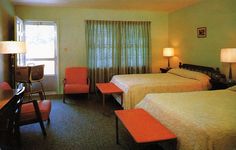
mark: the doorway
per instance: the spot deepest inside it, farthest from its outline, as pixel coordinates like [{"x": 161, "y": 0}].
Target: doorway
[{"x": 41, "y": 41}]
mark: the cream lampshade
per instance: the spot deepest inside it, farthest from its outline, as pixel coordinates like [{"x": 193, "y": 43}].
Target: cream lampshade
[
  {"x": 12, "y": 47},
  {"x": 168, "y": 52},
  {"x": 228, "y": 55}
]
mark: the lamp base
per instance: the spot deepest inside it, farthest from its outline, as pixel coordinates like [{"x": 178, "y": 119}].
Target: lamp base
[
  {"x": 168, "y": 63},
  {"x": 230, "y": 73},
  {"x": 12, "y": 69}
]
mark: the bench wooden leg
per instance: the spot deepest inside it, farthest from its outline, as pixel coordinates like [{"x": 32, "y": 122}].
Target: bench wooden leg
[
  {"x": 117, "y": 132},
  {"x": 103, "y": 100},
  {"x": 174, "y": 144}
]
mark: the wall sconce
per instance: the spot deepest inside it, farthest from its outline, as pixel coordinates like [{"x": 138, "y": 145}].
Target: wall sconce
[
  {"x": 228, "y": 55},
  {"x": 168, "y": 52},
  {"x": 12, "y": 47}
]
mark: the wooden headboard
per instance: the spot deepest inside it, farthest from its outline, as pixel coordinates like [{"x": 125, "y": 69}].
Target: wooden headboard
[{"x": 211, "y": 72}]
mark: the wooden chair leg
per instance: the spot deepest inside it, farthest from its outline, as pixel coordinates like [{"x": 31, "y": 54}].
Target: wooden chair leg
[
  {"x": 18, "y": 135},
  {"x": 38, "y": 114},
  {"x": 63, "y": 98},
  {"x": 42, "y": 88},
  {"x": 49, "y": 121},
  {"x": 42, "y": 128}
]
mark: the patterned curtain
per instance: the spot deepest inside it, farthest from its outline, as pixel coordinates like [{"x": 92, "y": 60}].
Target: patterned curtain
[{"x": 116, "y": 47}]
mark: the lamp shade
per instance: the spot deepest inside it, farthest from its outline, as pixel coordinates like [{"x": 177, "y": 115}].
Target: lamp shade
[
  {"x": 12, "y": 47},
  {"x": 228, "y": 55},
  {"x": 168, "y": 52}
]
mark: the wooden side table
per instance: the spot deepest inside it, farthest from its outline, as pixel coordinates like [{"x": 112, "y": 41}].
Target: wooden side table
[
  {"x": 164, "y": 70},
  {"x": 107, "y": 89}
]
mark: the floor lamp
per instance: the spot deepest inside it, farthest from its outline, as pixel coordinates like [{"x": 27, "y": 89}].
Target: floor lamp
[
  {"x": 13, "y": 48},
  {"x": 228, "y": 55},
  {"x": 168, "y": 52}
]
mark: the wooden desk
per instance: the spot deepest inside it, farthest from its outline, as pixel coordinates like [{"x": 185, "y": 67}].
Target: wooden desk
[{"x": 5, "y": 97}]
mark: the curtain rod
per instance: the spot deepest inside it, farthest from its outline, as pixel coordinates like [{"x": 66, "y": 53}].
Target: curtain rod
[{"x": 119, "y": 20}]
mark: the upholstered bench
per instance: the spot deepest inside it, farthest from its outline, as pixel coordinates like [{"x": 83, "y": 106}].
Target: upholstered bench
[
  {"x": 143, "y": 127},
  {"x": 107, "y": 89}
]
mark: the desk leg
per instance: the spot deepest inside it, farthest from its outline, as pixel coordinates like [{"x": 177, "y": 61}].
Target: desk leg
[
  {"x": 96, "y": 92},
  {"x": 103, "y": 100},
  {"x": 117, "y": 133}
]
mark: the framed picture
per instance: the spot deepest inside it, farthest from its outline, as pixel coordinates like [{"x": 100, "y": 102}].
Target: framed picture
[{"x": 201, "y": 32}]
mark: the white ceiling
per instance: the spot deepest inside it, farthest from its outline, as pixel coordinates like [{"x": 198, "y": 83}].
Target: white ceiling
[{"x": 153, "y": 5}]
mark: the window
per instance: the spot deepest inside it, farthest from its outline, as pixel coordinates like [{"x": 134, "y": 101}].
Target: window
[
  {"x": 117, "y": 47},
  {"x": 41, "y": 45}
]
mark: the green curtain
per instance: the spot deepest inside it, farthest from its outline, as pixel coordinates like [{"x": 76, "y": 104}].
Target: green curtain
[{"x": 116, "y": 47}]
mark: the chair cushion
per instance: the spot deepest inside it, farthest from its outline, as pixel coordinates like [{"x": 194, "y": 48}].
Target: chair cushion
[
  {"x": 28, "y": 111},
  {"x": 76, "y": 88},
  {"x": 77, "y": 75}
]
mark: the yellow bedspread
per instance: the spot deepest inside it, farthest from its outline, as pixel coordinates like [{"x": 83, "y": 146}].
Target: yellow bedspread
[
  {"x": 136, "y": 86},
  {"x": 204, "y": 120}
]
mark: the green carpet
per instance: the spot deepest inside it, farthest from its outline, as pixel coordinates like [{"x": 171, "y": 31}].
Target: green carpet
[{"x": 80, "y": 124}]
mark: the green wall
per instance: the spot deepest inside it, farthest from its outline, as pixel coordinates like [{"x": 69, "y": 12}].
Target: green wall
[
  {"x": 71, "y": 30},
  {"x": 219, "y": 16},
  {"x": 6, "y": 22},
  {"x": 177, "y": 29}
]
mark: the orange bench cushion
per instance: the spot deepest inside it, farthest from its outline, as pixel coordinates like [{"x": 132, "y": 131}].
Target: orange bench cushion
[
  {"x": 143, "y": 127},
  {"x": 108, "y": 88},
  {"x": 28, "y": 111}
]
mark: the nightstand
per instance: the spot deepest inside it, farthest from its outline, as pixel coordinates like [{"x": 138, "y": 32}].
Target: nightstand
[
  {"x": 164, "y": 70},
  {"x": 217, "y": 85}
]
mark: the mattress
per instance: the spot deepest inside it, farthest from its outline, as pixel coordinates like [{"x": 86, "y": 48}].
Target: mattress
[
  {"x": 136, "y": 86},
  {"x": 203, "y": 120}
]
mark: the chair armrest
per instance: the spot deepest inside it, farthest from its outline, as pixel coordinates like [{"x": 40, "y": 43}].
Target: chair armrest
[
  {"x": 40, "y": 92},
  {"x": 28, "y": 101}
]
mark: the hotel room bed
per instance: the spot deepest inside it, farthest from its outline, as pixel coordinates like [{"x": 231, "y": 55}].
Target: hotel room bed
[
  {"x": 136, "y": 86},
  {"x": 201, "y": 120}
]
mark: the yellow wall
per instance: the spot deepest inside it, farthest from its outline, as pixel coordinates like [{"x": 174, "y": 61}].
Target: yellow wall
[
  {"x": 6, "y": 20},
  {"x": 219, "y": 16},
  {"x": 71, "y": 30}
]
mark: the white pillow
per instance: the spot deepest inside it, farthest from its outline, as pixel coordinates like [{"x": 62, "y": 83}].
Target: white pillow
[
  {"x": 232, "y": 88},
  {"x": 190, "y": 74}
]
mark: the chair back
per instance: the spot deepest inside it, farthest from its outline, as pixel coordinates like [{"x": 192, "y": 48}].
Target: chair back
[
  {"x": 36, "y": 73},
  {"x": 27, "y": 74},
  {"x": 76, "y": 75}
]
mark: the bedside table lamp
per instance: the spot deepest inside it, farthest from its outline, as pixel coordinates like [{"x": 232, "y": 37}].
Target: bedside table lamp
[
  {"x": 12, "y": 47},
  {"x": 168, "y": 52},
  {"x": 228, "y": 55}
]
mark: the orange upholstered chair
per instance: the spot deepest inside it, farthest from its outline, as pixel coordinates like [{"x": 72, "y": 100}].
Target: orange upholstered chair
[
  {"x": 76, "y": 81},
  {"x": 35, "y": 111},
  {"x": 32, "y": 111}
]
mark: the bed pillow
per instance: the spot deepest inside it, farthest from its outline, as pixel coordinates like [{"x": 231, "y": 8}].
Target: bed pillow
[
  {"x": 232, "y": 88},
  {"x": 190, "y": 74}
]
